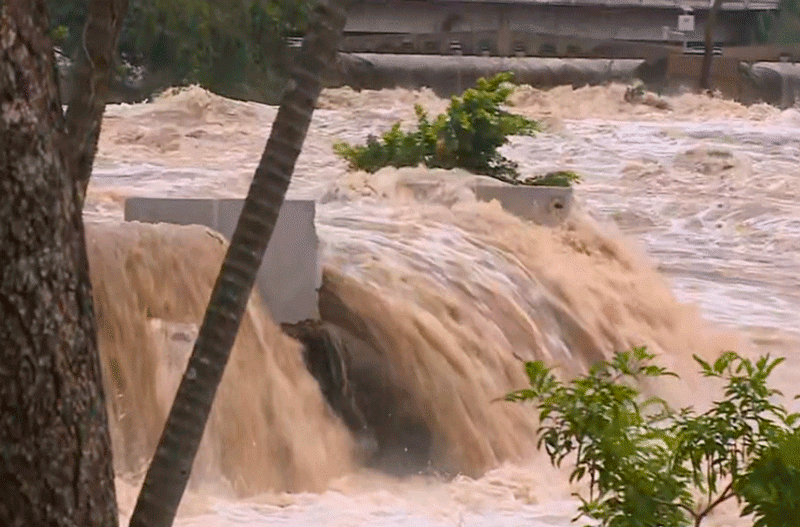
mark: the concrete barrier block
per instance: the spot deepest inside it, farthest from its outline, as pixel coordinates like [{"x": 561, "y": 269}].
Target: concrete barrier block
[
  {"x": 169, "y": 210},
  {"x": 546, "y": 206},
  {"x": 290, "y": 273}
]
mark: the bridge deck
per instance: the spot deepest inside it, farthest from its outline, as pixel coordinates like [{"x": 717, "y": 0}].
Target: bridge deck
[{"x": 696, "y": 5}]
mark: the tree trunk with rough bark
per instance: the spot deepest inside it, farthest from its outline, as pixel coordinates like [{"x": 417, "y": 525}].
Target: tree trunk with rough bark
[
  {"x": 708, "y": 53},
  {"x": 169, "y": 470},
  {"x": 56, "y": 467},
  {"x": 92, "y": 75}
]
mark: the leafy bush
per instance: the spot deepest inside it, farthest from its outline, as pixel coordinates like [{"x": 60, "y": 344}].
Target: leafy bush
[
  {"x": 59, "y": 34},
  {"x": 771, "y": 488},
  {"x": 468, "y": 135},
  {"x": 648, "y": 465},
  {"x": 559, "y": 178}
]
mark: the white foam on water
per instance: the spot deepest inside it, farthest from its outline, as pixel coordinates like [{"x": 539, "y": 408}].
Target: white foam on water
[{"x": 687, "y": 217}]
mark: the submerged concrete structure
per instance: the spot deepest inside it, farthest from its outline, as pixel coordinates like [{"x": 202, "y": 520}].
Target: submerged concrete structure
[
  {"x": 290, "y": 273},
  {"x": 546, "y": 206},
  {"x": 450, "y": 75}
]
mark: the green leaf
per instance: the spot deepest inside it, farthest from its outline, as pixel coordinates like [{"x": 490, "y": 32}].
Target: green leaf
[
  {"x": 467, "y": 135},
  {"x": 645, "y": 463}
]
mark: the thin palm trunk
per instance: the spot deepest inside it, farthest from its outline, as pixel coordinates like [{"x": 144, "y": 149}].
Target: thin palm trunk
[
  {"x": 169, "y": 470},
  {"x": 705, "y": 69}
]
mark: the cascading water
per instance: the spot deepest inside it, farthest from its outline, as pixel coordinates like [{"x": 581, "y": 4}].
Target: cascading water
[
  {"x": 270, "y": 427},
  {"x": 432, "y": 303}
]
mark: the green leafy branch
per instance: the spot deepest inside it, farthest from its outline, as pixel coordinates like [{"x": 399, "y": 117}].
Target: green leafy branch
[
  {"x": 648, "y": 465},
  {"x": 468, "y": 135}
]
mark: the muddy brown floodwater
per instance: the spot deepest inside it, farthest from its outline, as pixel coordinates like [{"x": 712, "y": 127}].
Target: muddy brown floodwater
[{"x": 685, "y": 238}]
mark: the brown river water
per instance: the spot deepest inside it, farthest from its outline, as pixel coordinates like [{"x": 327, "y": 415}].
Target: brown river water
[{"x": 685, "y": 238}]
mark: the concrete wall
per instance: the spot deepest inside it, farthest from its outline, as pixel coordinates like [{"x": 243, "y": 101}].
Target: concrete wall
[
  {"x": 597, "y": 22},
  {"x": 449, "y": 75},
  {"x": 546, "y": 206},
  {"x": 290, "y": 274},
  {"x": 684, "y": 70},
  {"x": 764, "y": 53},
  {"x": 776, "y": 83}
]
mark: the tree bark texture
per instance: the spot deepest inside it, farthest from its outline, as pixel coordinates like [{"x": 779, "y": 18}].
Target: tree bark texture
[
  {"x": 708, "y": 52},
  {"x": 91, "y": 77},
  {"x": 169, "y": 470},
  {"x": 56, "y": 467}
]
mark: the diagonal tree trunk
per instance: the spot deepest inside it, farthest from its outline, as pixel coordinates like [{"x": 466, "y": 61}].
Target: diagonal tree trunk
[
  {"x": 56, "y": 467},
  {"x": 169, "y": 470}
]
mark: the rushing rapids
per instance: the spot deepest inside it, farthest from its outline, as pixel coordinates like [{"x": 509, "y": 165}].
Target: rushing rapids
[{"x": 429, "y": 304}]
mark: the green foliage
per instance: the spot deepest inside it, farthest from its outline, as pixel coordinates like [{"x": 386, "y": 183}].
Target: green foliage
[
  {"x": 719, "y": 445},
  {"x": 66, "y": 21},
  {"x": 234, "y": 47},
  {"x": 468, "y": 135},
  {"x": 59, "y": 34},
  {"x": 559, "y": 178},
  {"x": 648, "y": 465},
  {"x": 395, "y": 148},
  {"x": 615, "y": 437},
  {"x": 772, "y": 486},
  {"x": 781, "y": 27}
]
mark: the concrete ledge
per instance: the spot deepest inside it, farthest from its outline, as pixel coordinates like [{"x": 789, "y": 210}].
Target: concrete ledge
[
  {"x": 546, "y": 206},
  {"x": 290, "y": 274},
  {"x": 450, "y": 75}
]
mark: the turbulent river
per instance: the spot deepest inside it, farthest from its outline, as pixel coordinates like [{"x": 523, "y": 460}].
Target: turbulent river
[{"x": 685, "y": 237}]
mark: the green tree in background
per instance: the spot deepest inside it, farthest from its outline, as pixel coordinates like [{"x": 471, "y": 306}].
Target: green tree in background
[
  {"x": 782, "y": 27},
  {"x": 786, "y": 28},
  {"x": 233, "y": 47}
]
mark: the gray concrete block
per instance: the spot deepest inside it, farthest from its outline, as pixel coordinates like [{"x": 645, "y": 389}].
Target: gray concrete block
[
  {"x": 290, "y": 273},
  {"x": 547, "y": 206},
  {"x": 170, "y": 210}
]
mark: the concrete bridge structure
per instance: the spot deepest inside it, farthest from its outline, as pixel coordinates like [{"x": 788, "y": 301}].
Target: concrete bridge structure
[{"x": 578, "y": 28}]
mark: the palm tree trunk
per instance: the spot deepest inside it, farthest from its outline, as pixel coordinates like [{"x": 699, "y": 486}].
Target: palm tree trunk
[
  {"x": 169, "y": 470},
  {"x": 705, "y": 69}
]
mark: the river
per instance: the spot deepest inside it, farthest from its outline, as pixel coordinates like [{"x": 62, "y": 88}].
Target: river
[{"x": 685, "y": 237}]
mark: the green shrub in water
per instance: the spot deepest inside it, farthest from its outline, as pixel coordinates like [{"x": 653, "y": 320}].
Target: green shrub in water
[
  {"x": 468, "y": 135},
  {"x": 650, "y": 466},
  {"x": 559, "y": 178}
]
